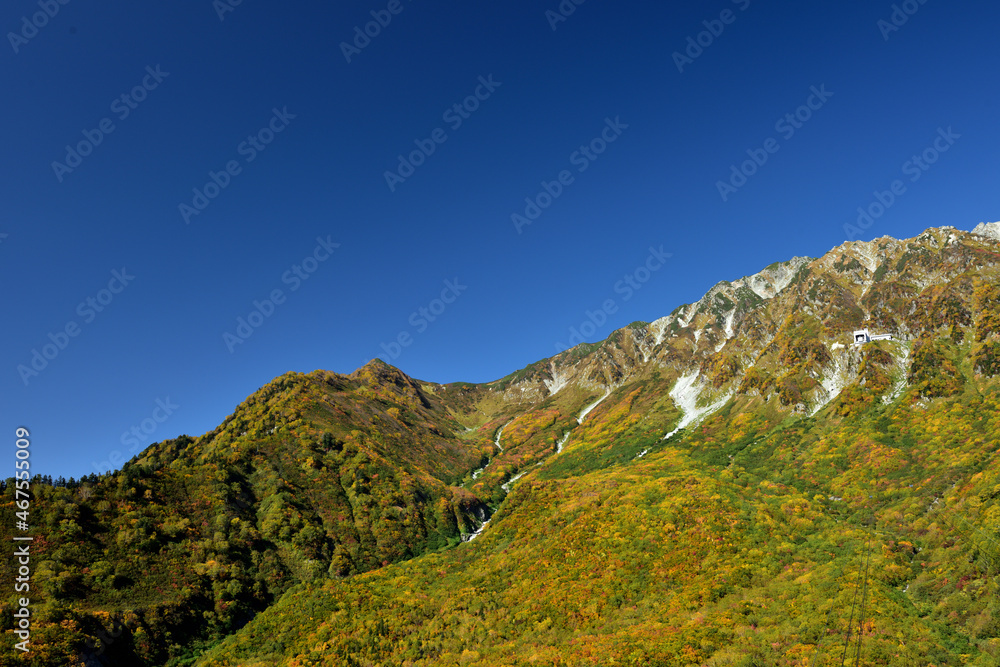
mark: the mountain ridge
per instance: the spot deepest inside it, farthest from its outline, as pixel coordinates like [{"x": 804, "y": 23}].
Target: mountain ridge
[
  {"x": 724, "y": 307},
  {"x": 754, "y": 398}
]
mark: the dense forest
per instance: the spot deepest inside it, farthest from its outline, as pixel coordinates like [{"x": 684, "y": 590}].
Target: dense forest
[{"x": 750, "y": 540}]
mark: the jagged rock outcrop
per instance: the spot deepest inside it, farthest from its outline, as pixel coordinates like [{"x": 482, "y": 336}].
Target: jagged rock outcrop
[{"x": 783, "y": 332}]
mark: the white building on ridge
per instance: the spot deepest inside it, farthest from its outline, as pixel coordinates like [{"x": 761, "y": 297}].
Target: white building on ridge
[{"x": 862, "y": 336}]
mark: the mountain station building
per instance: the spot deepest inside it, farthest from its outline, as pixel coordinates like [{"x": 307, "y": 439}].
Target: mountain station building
[{"x": 862, "y": 336}]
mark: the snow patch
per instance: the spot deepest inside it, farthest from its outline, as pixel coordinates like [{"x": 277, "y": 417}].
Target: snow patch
[
  {"x": 835, "y": 382},
  {"x": 506, "y": 487},
  {"x": 499, "y": 433},
  {"x": 559, "y": 445},
  {"x": 496, "y": 442},
  {"x": 659, "y": 328},
  {"x": 897, "y": 389},
  {"x": 685, "y": 395},
  {"x": 558, "y": 381},
  {"x": 689, "y": 313},
  {"x": 589, "y": 408},
  {"x": 729, "y": 324}
]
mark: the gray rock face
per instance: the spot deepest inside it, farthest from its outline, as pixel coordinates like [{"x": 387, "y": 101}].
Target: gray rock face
[{"x": 988, "y": 229}]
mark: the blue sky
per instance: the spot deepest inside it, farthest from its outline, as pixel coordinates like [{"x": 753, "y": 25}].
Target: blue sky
[{"x": 631, "y": 140}]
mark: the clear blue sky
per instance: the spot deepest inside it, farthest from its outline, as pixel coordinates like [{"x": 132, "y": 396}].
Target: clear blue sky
[{"x": 161, "y": 336}]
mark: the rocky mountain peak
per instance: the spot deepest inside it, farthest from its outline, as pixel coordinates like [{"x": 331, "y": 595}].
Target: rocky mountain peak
[{"x": 988, "y": 229}]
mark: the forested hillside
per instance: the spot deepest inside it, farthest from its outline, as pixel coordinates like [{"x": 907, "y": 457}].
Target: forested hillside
[
  {"x": 734, "y": 484},
  {"x": 742, "y": 542},
  {"x": 313, "y": 476}
]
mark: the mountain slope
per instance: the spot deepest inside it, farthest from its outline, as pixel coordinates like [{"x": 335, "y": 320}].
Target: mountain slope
[
  {"x": 742, "y": 540},
  {"x": 313, "y": 475},
  {"x": 679, "y": 559},
  {"x": 707, "y": 488}
]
